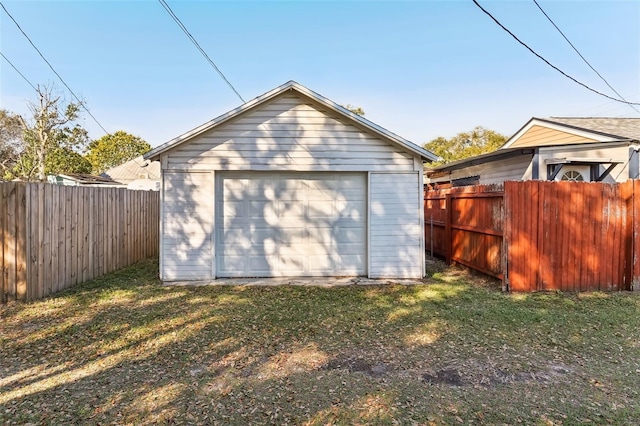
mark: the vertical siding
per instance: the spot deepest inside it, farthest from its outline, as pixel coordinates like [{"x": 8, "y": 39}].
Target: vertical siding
[
  {"x": 395, "y": 230},
  {"x": 187, "y": 224},
  {"x": 289, "y": 133}
]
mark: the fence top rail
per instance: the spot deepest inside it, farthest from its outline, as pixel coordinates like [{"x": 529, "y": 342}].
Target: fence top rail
[{"x": 493, "y": 190}]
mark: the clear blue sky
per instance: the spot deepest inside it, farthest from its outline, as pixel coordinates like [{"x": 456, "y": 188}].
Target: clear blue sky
[{"x": 421, "y": 69}]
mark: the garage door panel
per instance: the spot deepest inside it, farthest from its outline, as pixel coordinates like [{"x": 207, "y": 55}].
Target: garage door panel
[
  {"x": 350, "y": 264},
  {"x": 265, "y": 209},
  {"x": 290, "y": 209},
  {"x": 321, "y": 208},
  {"x": 231, "y": 209},
  {"x": 291, "y": 224},
  {"x": 350, "y": 236},
  {"x": 292, "y": 236},
  {"x": 348, "y": 249},
  {"x": 291, "y": 265},
  {"x": 321, "y": 265},
  {"x": 261, "y": 264}
]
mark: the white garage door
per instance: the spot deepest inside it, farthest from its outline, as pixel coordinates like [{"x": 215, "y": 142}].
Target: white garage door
[{"x": 290, "y": 224}]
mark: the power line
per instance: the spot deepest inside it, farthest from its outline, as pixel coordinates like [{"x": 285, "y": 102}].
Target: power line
[
  {"x": 583, "y": 58},
  {"x": 549, "y": 63},
  {"x": 18, "y": 71},
  {"x": 53, "y": 69},
  {"x": 193, "y": 40}
]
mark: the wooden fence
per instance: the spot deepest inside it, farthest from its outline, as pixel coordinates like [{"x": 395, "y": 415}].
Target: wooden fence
[
  {"x": 465, "y": 225},
  {"x": 569, "y": 236},
  {"x": 53, "y": 237}
]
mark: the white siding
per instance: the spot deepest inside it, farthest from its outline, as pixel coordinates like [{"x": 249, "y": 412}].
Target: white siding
[
  {"x": 605, "y": 151},
  {"x": 289, "y": 133},
  {"x": 518, "y": 168},
  {"x": 395, "y": 231},
  {"x": 187, "y": 226}
]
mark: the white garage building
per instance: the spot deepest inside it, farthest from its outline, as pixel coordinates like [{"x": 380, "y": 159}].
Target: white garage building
[{"x": 290, "y": 184}]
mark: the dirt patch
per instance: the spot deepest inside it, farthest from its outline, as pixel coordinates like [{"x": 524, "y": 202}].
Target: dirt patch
[
  {"x": 447, "y": 376},
  {"x": 486, "y": 376}
]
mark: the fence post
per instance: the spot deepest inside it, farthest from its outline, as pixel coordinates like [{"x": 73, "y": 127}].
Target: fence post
[
  {"x": 431, "y": 237},
  {"x": 635, "y": 278},
  {"x": 626, "y": 191},
  {"x": 506, "y": 235},
  {"x": 447, "y": 228},
  {"x": 21, "y": 241}
]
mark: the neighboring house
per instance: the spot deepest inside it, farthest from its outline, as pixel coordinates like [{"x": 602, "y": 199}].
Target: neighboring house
[
  {"x": 556, "y": 148},
  {"x": 81, "y": 179},
  {"x": 290, "y": 184},
  {"x": 138, "y": 174}
]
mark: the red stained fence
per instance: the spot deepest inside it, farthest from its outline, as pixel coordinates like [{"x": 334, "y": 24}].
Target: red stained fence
[
  {"x": 538, "y": 235},
  {"x": 465, "y": 225}
]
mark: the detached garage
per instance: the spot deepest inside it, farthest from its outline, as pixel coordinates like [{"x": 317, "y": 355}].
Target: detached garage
[{"x": 290, "y": 184}]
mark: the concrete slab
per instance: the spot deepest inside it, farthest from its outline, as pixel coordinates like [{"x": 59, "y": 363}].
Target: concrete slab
[{"x": 298, "y": 281}]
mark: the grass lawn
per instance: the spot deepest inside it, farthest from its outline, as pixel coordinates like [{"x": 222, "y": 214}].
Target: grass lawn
[{"x": 123, "y": 349}]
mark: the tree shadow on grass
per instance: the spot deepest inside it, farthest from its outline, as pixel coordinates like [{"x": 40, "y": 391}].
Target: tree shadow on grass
[{"x": 128, "y": 350}]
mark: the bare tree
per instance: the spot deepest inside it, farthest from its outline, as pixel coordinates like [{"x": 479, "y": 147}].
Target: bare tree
[{"x": 50, "y": 129}]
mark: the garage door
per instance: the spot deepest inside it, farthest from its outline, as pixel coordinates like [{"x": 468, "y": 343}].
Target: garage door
[{"x": 290, "y": 224}]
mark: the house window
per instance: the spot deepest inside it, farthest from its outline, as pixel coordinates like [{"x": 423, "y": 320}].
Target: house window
[{"x": 572, "y": 175}]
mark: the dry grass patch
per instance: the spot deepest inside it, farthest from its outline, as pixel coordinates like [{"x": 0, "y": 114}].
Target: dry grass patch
[{"x": 123, "y": 349}]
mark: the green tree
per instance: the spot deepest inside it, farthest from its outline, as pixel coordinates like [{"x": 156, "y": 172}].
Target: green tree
[
  {"x": 466, "y": 144},
  {"x": 354, "y": 109},
  {"x": 50, "y": 129},
  {"x": 11, "y": 141},
  {"x": 65, "y": 160},
  {"x": 114, "y": 149}
]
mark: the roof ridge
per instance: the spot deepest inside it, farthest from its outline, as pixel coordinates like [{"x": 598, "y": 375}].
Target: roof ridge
[{"x": 596, "y": 118}]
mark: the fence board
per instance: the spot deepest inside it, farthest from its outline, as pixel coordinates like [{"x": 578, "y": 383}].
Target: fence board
[
  {"x": 634, "y": 213},
  {"x": 4, "y": 237}
]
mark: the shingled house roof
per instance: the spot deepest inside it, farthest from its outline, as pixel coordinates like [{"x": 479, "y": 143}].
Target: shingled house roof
[
  {"x": 627, "y": 128},
  {"x": 138, "y": 168}
]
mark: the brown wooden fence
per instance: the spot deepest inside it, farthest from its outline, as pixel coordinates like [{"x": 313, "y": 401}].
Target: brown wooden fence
[
  {"x": 54, "y": 237},
  {"x": 538, "y": 235},
  {"x": 465, "y": 225}
]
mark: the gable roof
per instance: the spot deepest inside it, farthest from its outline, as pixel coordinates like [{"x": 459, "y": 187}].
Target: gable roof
[
  {"x": 155, "y": 153},
  {"x": 598, "y": 129},
  {"x": 132, "y": 169}
]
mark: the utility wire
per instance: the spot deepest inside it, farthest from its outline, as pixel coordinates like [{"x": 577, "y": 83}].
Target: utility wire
[
  {"x": 53, "y": 69},
  {"x": 18, "y": 71},
  {"x": 582, "y": 57},
  {"x": 549, "y": 63},
  {"x": 193, "y": 40}
]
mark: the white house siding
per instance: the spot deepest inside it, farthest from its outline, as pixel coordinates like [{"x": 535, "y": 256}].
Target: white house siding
[
  {"x": 288, "y": 133},
  {"x": 187, "y": 226},
  {"x": 616, "y": 152},
  {"x": 518, "y": 168},
  {"x": 395, "y": 228}
]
